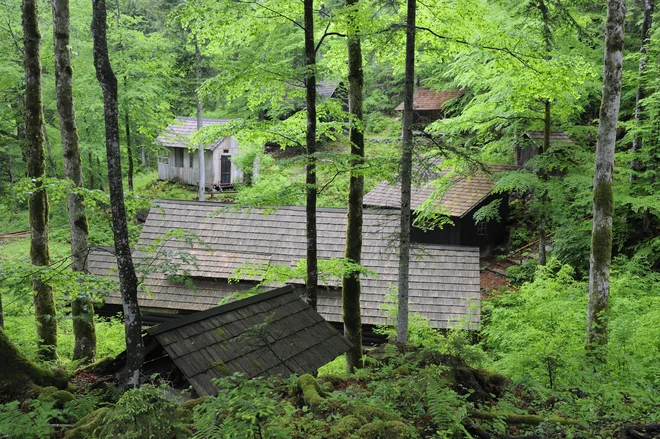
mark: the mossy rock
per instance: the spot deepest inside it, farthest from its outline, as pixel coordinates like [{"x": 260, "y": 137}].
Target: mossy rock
[
  {"x": 185, "y": 411},
  {"x": 84, "y": 428},
  {"x": 98, "y": 366},
  {"x": 311, "y": 391},
  {"x": 59, "y": 397},
  {"x": 335, "y": 380},
  {"x": 346, "y": 425},
  {"x": 371, "y": 413},
  {"x": 386, "y": 430}
]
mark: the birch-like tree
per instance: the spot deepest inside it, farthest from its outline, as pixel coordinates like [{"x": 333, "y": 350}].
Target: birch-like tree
[
  {"x": 603, "y": 200},
  {"x": 82, "y": 308},
  {"x": 44, "y": 304},
  {"x": 128, "y": 283}
]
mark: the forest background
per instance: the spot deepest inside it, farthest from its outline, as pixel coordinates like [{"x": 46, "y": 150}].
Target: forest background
[{"x": 523, "y": 65}]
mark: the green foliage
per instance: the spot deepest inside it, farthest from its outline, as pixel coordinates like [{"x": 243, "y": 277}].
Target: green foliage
[
  {"x": 145, "y": 413},
  {"x": 448, "y": 410},
  {"x": 245, "y": 406},
  {"x": 15, "y": 423},
  {"x": 519, "y": 274}
]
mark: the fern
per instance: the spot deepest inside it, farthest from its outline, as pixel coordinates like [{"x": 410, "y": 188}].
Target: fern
[{"x": 448, "y": 410}]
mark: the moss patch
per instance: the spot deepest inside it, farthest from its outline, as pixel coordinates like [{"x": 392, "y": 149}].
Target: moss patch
[
  {"x": 221, "y": 368},
  {"x": 385, "y": 430},
  {"x": 185, "y": 411}
]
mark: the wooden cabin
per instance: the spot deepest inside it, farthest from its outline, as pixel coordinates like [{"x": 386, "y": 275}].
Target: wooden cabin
[
  {"x": 444, "y": 280},
  {"x": 430, "y": 105},
  {"x": 460, "y": 201},
  {"x": 179, "y": 163}
]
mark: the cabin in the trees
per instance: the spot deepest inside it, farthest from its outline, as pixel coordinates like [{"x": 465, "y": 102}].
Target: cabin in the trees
[
  {"x": 459, "y": 202},
  {"x": 444, "y": 280},
  {"x": 179, "y": 163},
  {"x": 531, "y": 143},
  {"x": 430, "y": 105}
]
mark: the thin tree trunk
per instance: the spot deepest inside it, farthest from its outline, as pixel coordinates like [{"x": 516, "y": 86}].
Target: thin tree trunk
[
  {"x": 127, "y": 278},
  {"x": 129, "y": 150},
  {"x": 91, "y": 170},
  {"x": 406, "y": 176},
  {"x": 603, "y": 206},
  {"x": 200, "y": 124},
  {"x": 51, "y": 162},
  {"x": 649, "y": 6},
  {"x": 99, "y": 169},
  {"x": 12, "y": 185},
  {"x": 144, "y": 157},
  {"x": 351, "y": 283},
  {"x": 82, "y": 308},
  {"x": 310, "y": 142},
  {"x": 44, "y": 304},
  {"x": 544, "y": 178}
]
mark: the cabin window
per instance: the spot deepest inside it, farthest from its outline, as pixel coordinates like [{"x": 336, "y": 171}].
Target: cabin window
[
  {"x": 225, "y": 151},
  {"x": 481, "y": 228},
  {"x": 191, "y": 155},
  {"x": 164, "y": 159},
  {"x": 178, "y": 158}
]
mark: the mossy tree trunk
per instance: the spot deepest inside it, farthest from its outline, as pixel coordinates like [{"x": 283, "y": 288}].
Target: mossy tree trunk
[
  {"x": 544, "y": 177},
  {"x": 44, "y": 304},
  {"x": 82, "y": 308},
  {"x": 311, "y": 290},
  {"x": 127, "y": 278},
  {"x": 406, "y": 176},
  {"x": 351, "y": 283},
  {"x": 603, "y": 205},
  {"x": 18, "y": 374}
]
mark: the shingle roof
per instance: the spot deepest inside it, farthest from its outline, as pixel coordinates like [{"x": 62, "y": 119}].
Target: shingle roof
[
  {"x": 326, "y": 89},
  {"x": 273, "y": 333},
  {"x": 176, "y": 135},
  {"x": 555, "y": 136},
  {"x": 464, "y": 194},
  {"x": 444, "y": 280},
  {"x": 426, "y": 99}
]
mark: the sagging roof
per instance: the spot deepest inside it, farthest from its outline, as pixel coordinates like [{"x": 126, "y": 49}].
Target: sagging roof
[
  {"x": 444, "y": 280},
  {"x": 464, "y": 194},
  {"x": 176, "y": 134},
  {"x": 273, "y": 333},
  {"x": 425, "y": 99}
]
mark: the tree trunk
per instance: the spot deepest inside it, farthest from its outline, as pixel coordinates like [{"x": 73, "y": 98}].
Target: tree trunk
[
  {"x": 649, "y": 6},
  {"x": 406, "y": 176},
  {"x": 44, "y": 304},
  {"x": 82, "y": 308},
  {"x": 51, "y": 162},
  {"x": 91, "y": 170},
  {"x": 200, "y": 124},
  {"x": 127, "y": 278},
  {"x": 129, "y": 150},
  {"x": 144, "y": 157},
  {"x": 2, "y": 314},
  {"x": 603, "y": 205},
  {"x": 544, "y": 178},
  {"x": 310, "y": 142},
  {"x": 351, "y": 283}
]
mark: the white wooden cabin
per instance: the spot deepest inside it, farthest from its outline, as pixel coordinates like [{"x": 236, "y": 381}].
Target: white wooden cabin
[{"x": 181, "y": 164}]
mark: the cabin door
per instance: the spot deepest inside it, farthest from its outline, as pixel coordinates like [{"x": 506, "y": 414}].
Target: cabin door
[{"x": 225, "y": 170}]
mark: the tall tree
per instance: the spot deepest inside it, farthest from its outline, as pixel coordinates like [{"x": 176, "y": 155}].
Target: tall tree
[
  {"x": 310, "y": 143},
  {"x": 82, "y": 308},
  {"x": 127, "y": 278},
  {"x": 200, "y": 124},
  {"x": 351, "y": 287},
  {"x": 649, "y": 7},
  {"x": 44, "y": 304},
  {"x": 603, "y": 204},
  {"x": 406, "y": 175}
]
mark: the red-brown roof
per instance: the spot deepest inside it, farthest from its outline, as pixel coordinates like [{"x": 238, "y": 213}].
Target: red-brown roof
[{"x": 427, "y": 99}]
